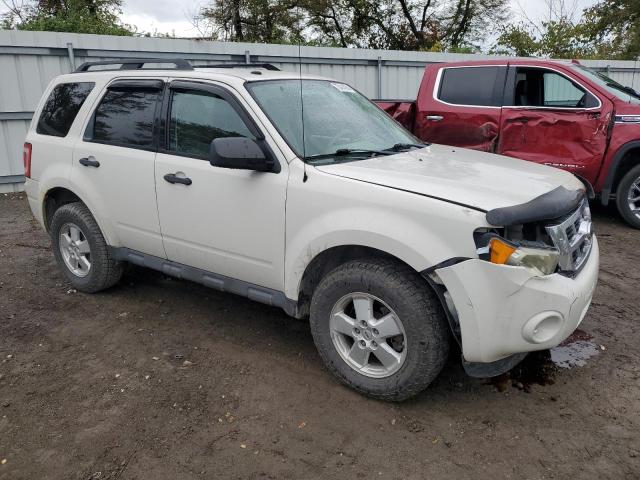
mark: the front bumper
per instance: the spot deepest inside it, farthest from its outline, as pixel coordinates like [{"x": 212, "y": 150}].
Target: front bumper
[{"x": 504, "y": 310}]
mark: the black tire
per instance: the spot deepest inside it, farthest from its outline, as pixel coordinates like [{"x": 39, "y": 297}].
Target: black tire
[
  {"x": 622, "y": 197},
  {"x": 415, "y": 304},
  {"x": 104, "y": 271}
]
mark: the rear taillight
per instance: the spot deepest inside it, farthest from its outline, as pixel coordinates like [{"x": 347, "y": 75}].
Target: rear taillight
[{"x": 26, "y": 158}]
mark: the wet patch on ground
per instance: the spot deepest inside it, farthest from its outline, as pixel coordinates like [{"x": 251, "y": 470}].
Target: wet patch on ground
[{"x": 540, "y": 368}]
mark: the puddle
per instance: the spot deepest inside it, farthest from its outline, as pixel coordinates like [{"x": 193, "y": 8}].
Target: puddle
[{"x": 540, "y": 368}]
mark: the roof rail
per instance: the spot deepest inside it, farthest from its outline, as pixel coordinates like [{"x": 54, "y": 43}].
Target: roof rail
[
  {"x": 266, "y": 66},
  {"x": 135, "y": 64}
]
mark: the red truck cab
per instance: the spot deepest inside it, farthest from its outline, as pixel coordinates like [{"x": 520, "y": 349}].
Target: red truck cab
[{"x": 557, "y": 113}]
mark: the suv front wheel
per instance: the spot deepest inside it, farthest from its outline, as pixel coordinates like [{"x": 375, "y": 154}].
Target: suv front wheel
[
  {"x": 379, "y": 328},
  {"x": 628, "y": 197},
  {"x": 81, "y": 250}
]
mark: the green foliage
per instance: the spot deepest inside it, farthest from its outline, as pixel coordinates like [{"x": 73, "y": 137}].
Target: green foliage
[
  {"x": 614, "y": 26},
  {"x": 443, "y": 25},
  {"x": 79, "y": 16},
  {"x": 610, "y": 29}
]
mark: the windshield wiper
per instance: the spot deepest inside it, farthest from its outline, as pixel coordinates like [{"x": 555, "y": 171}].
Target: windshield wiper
[
  {"x": 627, "y": 90},
  {"x": 399, "y": 147},
  {"x": 349, "y": 152}
]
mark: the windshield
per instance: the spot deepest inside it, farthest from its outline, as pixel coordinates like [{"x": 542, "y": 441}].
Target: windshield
[
  {"x": 626, "y": 94},
  {"x": 339, "y": 123}
]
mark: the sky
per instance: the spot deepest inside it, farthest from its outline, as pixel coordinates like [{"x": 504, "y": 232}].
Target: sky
[{"x": 173, "y": 16}]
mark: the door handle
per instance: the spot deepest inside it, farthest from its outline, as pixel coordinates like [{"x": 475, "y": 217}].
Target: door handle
[
  {"x": 173, "y": 178},
  {"x": 89, "y": 162},
  {"x": 435, "y": 118}
]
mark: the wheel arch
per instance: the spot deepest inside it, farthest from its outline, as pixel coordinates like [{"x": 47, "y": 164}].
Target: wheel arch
[
  {"x": 627, "y": 157},
  {"x": 57, "y": 196},
  {"x": 331, "y": 258}
]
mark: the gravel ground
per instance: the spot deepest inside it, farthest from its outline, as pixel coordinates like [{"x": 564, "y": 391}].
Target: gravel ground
[{"x": 162, "y": 379}]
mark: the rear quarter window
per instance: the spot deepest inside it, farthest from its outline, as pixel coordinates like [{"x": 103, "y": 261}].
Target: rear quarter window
[
  {"x": 477, "y": 86},
  {"x": 61, "y": 108}
]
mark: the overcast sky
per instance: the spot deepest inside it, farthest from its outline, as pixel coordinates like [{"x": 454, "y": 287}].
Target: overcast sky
[{"x": 173, "y": 16}]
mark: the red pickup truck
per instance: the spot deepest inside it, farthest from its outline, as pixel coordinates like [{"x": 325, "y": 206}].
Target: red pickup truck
[{"x": 561, "y": 114}]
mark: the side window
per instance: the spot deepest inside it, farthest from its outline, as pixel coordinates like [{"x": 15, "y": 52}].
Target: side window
[
  {"x": 537, "y": 87},
  {"x": 559, "y": 91},
  {"x": 61, "y": 108},
  {"x": 125, "y": 117},
  {"x": 197, "y": 118},
  {"x": 479, "y": 86}
]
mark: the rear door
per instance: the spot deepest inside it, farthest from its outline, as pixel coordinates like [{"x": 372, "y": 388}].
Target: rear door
[
  {"x": 113, "y": 164},
  {"x": 463, "y": 107},
  {"x": 549, "y": 117}
]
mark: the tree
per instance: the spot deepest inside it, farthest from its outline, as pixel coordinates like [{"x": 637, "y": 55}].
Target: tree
[
  {"x": 266, "y": 21},
  {"x": 614, "y": 25},
  {"x": 394, "y": 24},
  {"x": 79, "y": 16},
  {"x": 609, "y": 29}
]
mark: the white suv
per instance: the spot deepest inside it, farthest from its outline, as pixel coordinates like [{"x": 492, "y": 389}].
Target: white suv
[{"x": 300, "y": 193}]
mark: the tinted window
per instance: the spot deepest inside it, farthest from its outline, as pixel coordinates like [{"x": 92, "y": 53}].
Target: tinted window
[
  {"x": 197, "y": 118},
  {"x": 61, "y": 108},
  {"x": 125, "y": 117},
  {"x": 470, "y": 86}
]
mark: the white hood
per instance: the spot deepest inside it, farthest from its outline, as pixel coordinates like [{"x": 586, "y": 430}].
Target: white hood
[{"x": 477, "y": 179}]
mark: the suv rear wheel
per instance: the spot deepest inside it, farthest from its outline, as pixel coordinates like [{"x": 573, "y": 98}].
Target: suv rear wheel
[
  {"x": 81, "y": 250},
  {"x": 379, "y": 328},
  {"x": 628, "y": 197}
]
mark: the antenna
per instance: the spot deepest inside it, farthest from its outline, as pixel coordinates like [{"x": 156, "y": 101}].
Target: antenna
[{"x": 304, "y": 147}]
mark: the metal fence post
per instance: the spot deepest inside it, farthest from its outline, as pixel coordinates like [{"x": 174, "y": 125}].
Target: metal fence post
[
  {"x": 379, "y": 77},
  {"x": 247, "y": 56},
  {"x": 72, "y": 57}
]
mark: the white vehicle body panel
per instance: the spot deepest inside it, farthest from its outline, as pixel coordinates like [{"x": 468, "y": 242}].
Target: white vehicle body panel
[
  {"x": 230, "y": 222},
  {"x": 329, "y": 211},
  {"x": 468, "y": 177}
]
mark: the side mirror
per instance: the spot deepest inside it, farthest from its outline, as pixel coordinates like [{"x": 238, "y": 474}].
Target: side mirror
[{"x": 240, "y": 153}]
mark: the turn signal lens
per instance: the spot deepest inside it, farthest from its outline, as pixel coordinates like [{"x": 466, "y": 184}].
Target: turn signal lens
[{"x": 500, "y": 251}]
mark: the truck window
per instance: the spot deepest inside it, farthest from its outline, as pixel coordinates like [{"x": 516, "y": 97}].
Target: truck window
[
  {"x": 537, "y": 87},
  {"x": 197, "y": 118},
  {"x": 125, "y": 117},
  {"x": 477, "y": 86},
  {"x": 61, "y": 108}
]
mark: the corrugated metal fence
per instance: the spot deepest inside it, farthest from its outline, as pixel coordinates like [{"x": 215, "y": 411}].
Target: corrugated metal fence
[{"x": 29, "y": 60}]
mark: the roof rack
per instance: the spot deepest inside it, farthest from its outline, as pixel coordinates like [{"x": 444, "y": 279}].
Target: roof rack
[
  {"x": 136, "y": 64},
  {"x": 266, "y": 66}
]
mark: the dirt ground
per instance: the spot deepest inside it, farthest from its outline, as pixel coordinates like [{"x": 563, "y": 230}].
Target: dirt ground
[{"x": 163, "y": 379}]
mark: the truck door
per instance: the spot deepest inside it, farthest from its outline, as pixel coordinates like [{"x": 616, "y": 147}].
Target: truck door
[
  {"x": 550, "y": 118},
  {"x": 462, "y": 107}
]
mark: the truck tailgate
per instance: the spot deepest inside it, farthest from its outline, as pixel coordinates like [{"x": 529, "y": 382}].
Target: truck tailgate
[{"x": 402, "y": 111}]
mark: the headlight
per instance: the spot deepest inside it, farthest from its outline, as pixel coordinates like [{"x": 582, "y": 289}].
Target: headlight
[{"x": 543, "y": 261}]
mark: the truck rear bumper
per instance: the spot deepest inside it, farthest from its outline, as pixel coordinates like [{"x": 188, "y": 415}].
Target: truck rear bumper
[{"x": 504, "y": 310}]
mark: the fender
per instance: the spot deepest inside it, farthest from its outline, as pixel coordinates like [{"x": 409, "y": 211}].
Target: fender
[{"x": 613, "y": 169}]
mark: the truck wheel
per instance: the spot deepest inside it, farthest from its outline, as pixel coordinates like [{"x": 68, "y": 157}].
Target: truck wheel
[
  {"x": 379, "y": 328},
  {"x": 628, "y": 197},
  {"x": 81, "y": 250}
]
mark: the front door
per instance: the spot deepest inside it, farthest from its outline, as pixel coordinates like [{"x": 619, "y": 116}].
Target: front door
[
  {"x": 230, "y": 222},
  {"x": 463, "y": 109},
  {"x": 550, "y": 118}
]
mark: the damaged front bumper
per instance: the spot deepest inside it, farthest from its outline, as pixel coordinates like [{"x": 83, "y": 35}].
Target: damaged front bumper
[{"x": 504, "y": 311}]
